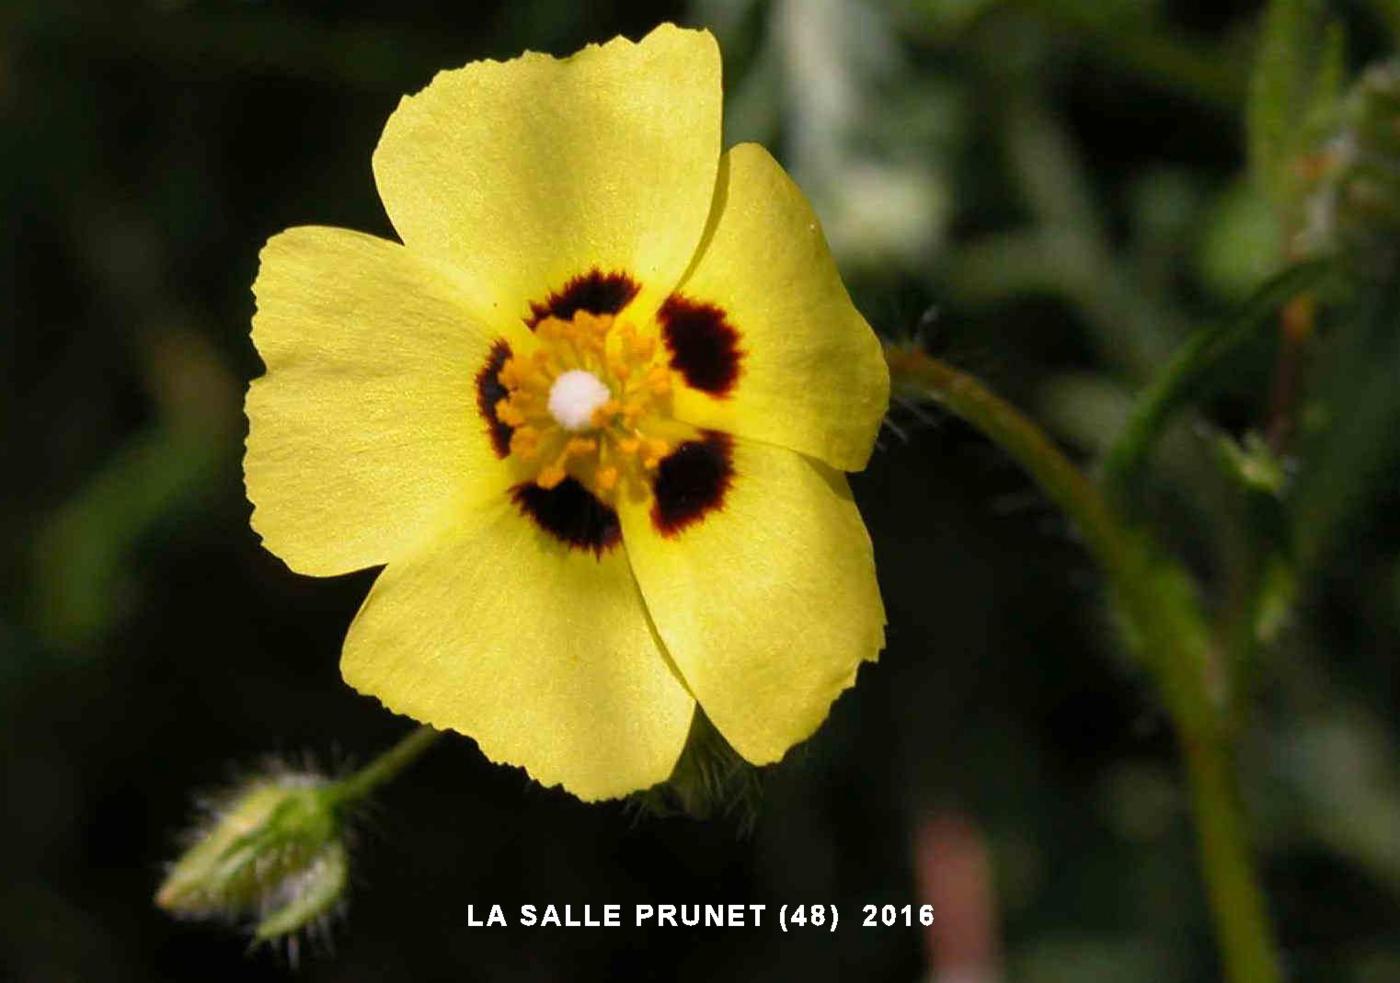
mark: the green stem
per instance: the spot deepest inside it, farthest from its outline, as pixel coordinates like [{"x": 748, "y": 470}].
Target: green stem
[
  {"x": 1250, "y": 951},
  {"x": 356, "y": 786},
  {"x": 1156, "y": 601}
]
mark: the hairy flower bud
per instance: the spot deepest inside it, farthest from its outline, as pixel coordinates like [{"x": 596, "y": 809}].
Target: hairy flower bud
[{"x": 270, "y": 854}]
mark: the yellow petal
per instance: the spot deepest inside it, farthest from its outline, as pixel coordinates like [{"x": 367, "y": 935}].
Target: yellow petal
[
  {"x": 541, "y": 652},
  {"x": 528, "y": 173},
  {"x": 767, "y": 604},
  {"x": 366, "y": 424},
  {"x": 812, "y": 376}
]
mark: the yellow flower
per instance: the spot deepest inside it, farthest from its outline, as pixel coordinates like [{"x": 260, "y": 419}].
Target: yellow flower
[{"x": 592, "y": 416}]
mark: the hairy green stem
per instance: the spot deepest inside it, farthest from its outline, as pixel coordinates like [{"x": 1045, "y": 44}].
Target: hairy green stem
[
  {"x": 384, "y": 768},
  {"x": 1156, "y": 601}
]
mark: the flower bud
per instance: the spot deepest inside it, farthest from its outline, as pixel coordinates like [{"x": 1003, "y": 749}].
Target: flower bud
[
  {"x": 305, "y": 897},
  {"x": 271, "y": 854}
]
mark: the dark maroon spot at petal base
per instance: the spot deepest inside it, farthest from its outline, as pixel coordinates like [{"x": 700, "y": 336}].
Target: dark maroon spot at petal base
[
  {"x": 570, "y": 514},
  {"x": 691, "y": 482},
  {"x": 704, "y": 345},
  {"x": 595, "y": 292},
  {"x": 489, "y": 392}
]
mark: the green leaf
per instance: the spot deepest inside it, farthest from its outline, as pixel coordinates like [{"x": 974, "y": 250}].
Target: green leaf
[
  {"x": 1278, "y": 88},
  {"x": 1185, "y": 377}
]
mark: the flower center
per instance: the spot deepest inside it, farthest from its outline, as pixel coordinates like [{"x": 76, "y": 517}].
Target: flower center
[
  {"x": 592, "y": 402},
  {"x": 574, "y": 396}
]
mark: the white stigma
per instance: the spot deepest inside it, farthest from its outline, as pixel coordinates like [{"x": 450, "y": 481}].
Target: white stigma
[{"x": 574, "y": 396}]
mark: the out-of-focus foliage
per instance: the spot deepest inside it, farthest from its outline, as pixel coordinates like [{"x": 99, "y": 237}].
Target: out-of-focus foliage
[
  {"x": 1295, "y": 80},
  {"x": 1055, "y": 195}
]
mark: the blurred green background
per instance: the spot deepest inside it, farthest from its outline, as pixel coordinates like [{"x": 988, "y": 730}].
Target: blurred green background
[{"x": 1050, "y": 194}]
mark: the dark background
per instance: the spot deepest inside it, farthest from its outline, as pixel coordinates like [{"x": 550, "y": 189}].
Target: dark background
[{"x": 1051, "y": 194}]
